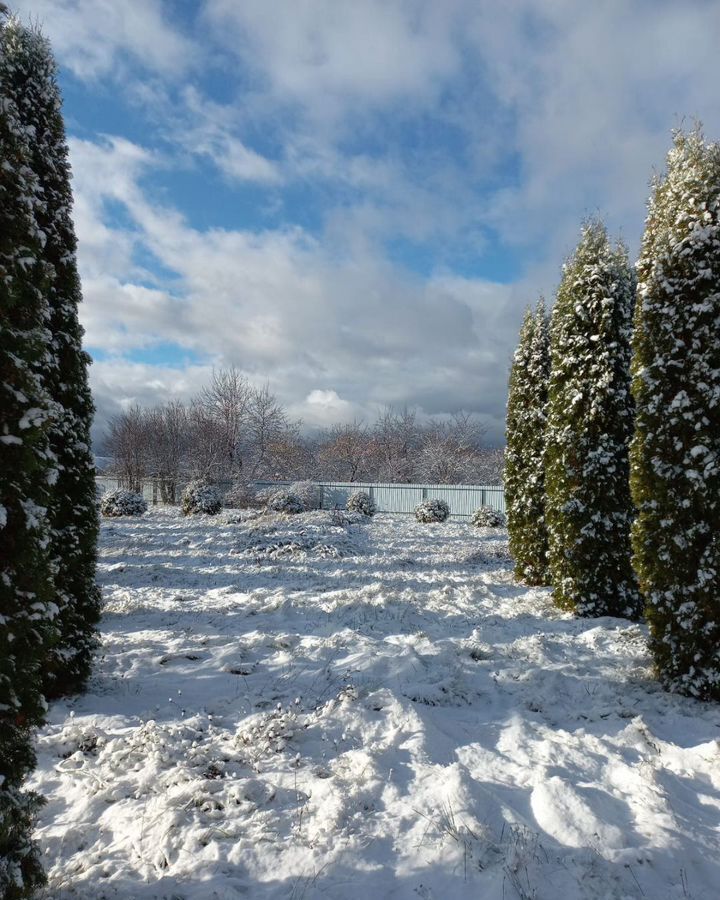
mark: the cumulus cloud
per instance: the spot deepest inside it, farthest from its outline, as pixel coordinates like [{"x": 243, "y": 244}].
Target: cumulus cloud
[
  {"x": 94, "y": 37},
  {"x": 210, "y": 130},
  {"x": 279, "y": 304},
  {"x": 118, "y": 384},
  {"x": 324, "y": 54},
  {"x": 475, "y": 134}
]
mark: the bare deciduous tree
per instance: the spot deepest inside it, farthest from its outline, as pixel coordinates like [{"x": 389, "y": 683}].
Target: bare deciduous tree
[
  {"x": 234, "y": 432},
  {"x": 346, "y": 453},
  {"x": 396, "y": 442},
  {"x": 450, "y": 450},
  {"x": 267, "y": 423},
  {"x": 169, "y": 439},
  {"x": 127, "y": 442},
  {"x": 226, "y": 402}
]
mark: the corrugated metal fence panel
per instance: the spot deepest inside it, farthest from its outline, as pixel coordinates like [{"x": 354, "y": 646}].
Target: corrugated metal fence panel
[
  {"x": 401, "y": 498},
  {"x": 463, "y": 499}
]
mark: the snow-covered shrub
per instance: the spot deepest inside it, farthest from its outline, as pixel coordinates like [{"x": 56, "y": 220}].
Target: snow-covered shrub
[
  {"x": 432, "y": 510},
  {"x": 122, "y": 502},
  {"x": 308, "y": 493},
  {"x": 201, "y": 497},
  {"x": 361, "y": 502},
  {"x": 675, "y": 477},
  {"x": 241, "y": 496},
  {"x": 487, "y": 517},
  {"x": 262, "y": 497},
  {"x": 283, "y": 501}
]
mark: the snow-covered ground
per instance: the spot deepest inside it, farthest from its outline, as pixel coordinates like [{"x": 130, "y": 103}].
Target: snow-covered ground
[{"x": 291, "y": 708}]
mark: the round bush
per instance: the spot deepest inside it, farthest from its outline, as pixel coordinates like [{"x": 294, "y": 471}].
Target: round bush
[
  {"x": 308, "y": 493},
  {"x": 285, "y": 502},
  {"x": 487, "y": 517},
  {"x": 122, "y": 503},
  {"x": 432, "y": 511},
  {"x": 361, "y": 502},
  {"x": 201, "y": 497}
]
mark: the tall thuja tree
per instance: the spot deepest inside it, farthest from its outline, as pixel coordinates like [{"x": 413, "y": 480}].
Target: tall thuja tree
[
  {"x": 590, "y": 420},
  {"x": 72, "y": 511},
  {"x": 675, "y": 454},
  {"x": 524, "y": 475},
  {"x": 27, "y": 473}
]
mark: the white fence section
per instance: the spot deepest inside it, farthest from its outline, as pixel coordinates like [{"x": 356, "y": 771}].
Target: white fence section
[{"x": 463, "y": 499}]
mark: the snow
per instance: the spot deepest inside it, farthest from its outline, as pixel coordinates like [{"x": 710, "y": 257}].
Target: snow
[{"x": 287, "y": 708}]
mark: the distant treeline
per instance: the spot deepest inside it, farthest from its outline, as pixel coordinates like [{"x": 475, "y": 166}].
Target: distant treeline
[{"x": 232, "y": 431}]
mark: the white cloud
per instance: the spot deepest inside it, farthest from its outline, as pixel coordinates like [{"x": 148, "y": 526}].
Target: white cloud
[
  {"x": 325, "y": 54},
  {"x": 102, "y": 171},
  {"x": 210, "y": 129},
  {"x": 324, "y": 407},
  {"x": 119, "y": 384},
  {"x": 444, "y": 124},
  {"x": 593, "y": 90},
  {"x": 92, "y": 36},
  {"x": 278, "y": 304}
]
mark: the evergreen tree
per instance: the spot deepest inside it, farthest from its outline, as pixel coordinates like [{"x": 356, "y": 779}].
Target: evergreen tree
[
  {"x": 590, "y": 419},
  {"x": 72, "y": 511},
  {"x": 27, "y": 472},
  {"x": 675, "y": 453},
  {"x": 524, "y": 468}
]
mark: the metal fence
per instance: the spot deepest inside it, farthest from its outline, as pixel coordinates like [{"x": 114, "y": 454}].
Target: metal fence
[{"x": 463, "y": 499}]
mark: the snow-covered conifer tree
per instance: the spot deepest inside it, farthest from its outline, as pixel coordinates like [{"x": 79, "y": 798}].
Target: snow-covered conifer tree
[
  {"x": 590, "y": 419},
  {"x": 524, "y": 467},
  {"x": 72, "y": 512},
  {"x": 27, "y": 473},
  {"x": 675, "y": 454}
]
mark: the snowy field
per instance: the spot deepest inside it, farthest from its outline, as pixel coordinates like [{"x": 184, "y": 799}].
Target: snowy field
[{"x": 292, "y": 708}]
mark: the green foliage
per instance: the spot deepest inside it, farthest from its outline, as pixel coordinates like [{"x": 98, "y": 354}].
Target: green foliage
[
  {"x": 72, "y": 510},
  {"x": 524, "y": 468},
  {"x": 20, "y": 869},
  {"x": 27, "y": 471},
  {"x": 675, "y": 455},
  {"x": 590, "y": 419}
]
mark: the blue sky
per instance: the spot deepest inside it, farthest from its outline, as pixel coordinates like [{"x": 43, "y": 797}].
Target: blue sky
[{"x": 354, "y": 200}]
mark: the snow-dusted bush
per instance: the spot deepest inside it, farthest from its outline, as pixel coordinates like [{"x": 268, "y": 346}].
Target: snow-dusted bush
[
  {"x": 361, "y": 502},
  {"x": 201, "y": 497},
  {"x": 487, "y": 517},
  {"x": 122, "y": 502},
  {"x": 308, "y": 493},
  {"x": 283, "y": 501},
  {"x": 262, "y": 497},
  {"x": 241, "y": 496},
  {"x": 432, "y": 510}
]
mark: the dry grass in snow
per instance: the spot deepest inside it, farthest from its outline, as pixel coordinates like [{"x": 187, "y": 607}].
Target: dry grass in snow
[{"x": 295, "y": 708}]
